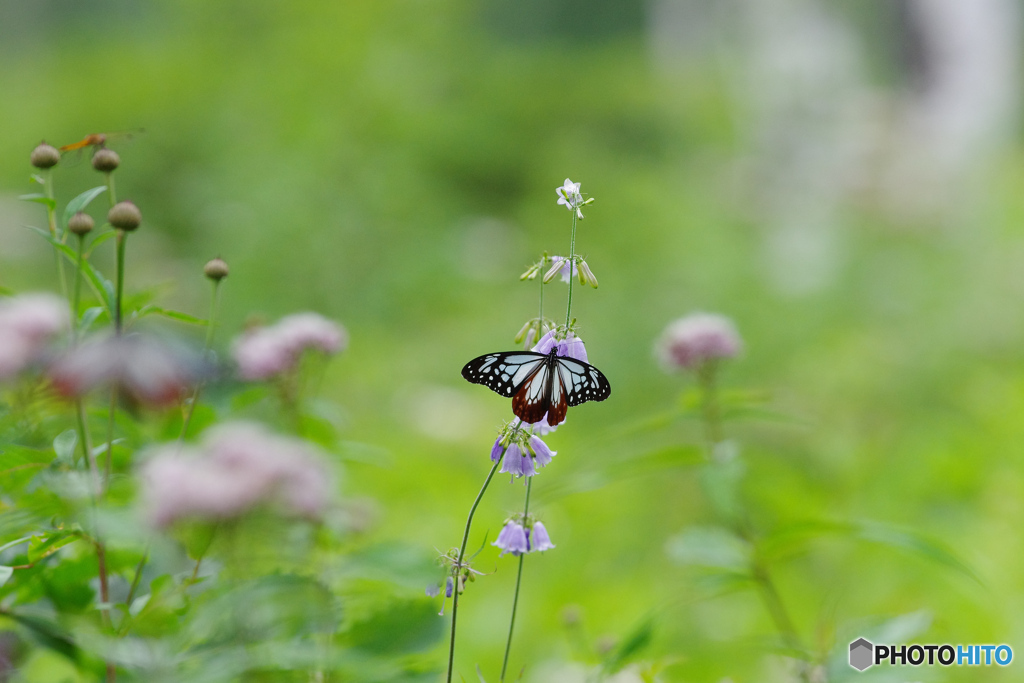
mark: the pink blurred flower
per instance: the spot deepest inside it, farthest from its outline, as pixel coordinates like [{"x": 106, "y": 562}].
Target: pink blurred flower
[
  {"x": 274, "y": 350},
  {"x": 237, "y": 467},
  {"x": 690, "y": 341},
  {"x": 27, "y": 323},
  {"x": 143, "y": 369}
]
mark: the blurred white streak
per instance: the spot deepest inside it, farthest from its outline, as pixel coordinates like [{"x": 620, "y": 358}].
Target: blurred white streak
[{"x": 963, "y": 105}]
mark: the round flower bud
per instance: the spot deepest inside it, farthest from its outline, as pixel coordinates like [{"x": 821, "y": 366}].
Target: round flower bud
[
  {"x": 105, "y": 160},
  {"x": 81, "y": 223},
  {"x": 216, "y": 269},
  {"x": 45, "y": 156},
  {"x": 124, "y": 216}
]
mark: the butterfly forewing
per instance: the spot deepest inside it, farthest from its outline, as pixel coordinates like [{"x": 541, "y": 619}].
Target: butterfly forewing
[
  {"x": 582, "y": 381},
  {"x": 505, "y": 372}
]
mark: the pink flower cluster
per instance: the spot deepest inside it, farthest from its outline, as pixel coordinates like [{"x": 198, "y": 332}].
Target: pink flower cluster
[
  {"x": 274, "y": 350},
  {"x": 142, "y": 367},
  {"x": 699, "y": 337},
  {"x": 28, "y": 322},
  {"x": 238, "y": 466}
]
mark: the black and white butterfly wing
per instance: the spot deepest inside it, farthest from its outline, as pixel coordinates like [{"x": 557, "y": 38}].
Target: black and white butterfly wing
[
  {"x": 581, "y": 382},
  {"x": 504, "y": 372},
  {"x": 540, "y": 395}
]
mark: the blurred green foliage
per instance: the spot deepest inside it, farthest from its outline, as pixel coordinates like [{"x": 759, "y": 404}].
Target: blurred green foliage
[{"x": 391, "y": 164}]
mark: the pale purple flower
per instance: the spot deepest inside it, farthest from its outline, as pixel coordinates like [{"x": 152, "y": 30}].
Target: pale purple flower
[
  {"x": 541, "y": 428},
  {"x": 271, "y": 351},
  {"x": 541, "y": 451},
  {"x": 449, "y": 587},
  {"x": 27, "y": 324},
  {"x": 541, "y": 540},
  {"x": 699, "y": 337},
  {"x": 143, "y": 368},
  {"x": 516, "y": 462},
  {"x": 569, "y": 195},
  {"x": 236, "y": 467},
  {"x": 513, "y": 539},
  {"x": 570, "y": 347},
  {"x": 497, "y": 450}
]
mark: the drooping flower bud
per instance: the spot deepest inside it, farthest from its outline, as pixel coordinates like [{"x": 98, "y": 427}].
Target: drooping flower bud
[
  {"x": 586, "y": 275},
  {"x": 105, "y": 160},
  {"x": 216, "y": 269},
  {"x": 81, "y": 224},
  {"x": 45, "y": 156},
  {"x": 124, "y": 216},
  {"x": 556, "y": 268}
]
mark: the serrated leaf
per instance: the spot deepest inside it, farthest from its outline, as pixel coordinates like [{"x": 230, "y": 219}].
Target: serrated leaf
[
  {"x": 80, "y": 202},
  {"x": 39, "y": 199}
]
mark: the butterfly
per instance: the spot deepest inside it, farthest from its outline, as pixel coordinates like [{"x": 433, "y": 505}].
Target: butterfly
[{"x": 539, "y": 383}]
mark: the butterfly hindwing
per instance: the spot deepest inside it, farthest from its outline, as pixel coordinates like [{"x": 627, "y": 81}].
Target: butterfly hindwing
[
  {"x": 504, "y": 373},
  {"x": 532, "y": 400}
]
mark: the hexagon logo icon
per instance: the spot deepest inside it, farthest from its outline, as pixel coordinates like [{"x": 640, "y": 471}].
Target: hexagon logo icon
[{"x": 861, "y": 651}]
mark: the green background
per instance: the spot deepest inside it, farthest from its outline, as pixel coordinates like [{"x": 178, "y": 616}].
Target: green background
[{"x": 392, "y": 165}]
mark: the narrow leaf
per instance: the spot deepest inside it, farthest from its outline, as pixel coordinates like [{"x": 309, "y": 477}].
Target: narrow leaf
[
  {"x": 80, "y": 202},
  {"x": 39, "y": 199},
  {"x": 5, "y": 574},
  {"x": 98, "y": 240},
  {"x": 173, "y": 315}
]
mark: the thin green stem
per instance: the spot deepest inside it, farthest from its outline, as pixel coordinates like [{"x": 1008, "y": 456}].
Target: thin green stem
[
  {"x": 136, "y": 580},
  {"x": 210, "y": 326},
  {"x": 51, "y": 219},
  {"x": 122, "y": 238},
  {"x": 110, "y": 189},
  {"x": 515, "y": 596},
  {"x": 76, "y": 298},
  {"x": 572, "y": 262},
  {"x": 110, "y": 437},
  {"x": 707, "y": 375},
  {"x": 462, "y": 554}
]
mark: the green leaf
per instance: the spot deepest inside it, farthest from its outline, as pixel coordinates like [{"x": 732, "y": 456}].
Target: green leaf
[
  {"x": 5, "y": 574},
  {"x": 638, "y": 639},
  {"x": 167, "y": 313},
  {"x": 47, "y": 544},
  {"x": 64, "y": 445},
  {"x": 98, "y": 240},
  {"x": 88, "y": 318},
  {"x": 48, "y": 635},
  {"x": 793, "y": 537},
  {"x": 712, "y": 547},
  {"x": 100, "y": 285},
  {"x": 80, "y": 202},
  {"x": 39, "y": 199}
]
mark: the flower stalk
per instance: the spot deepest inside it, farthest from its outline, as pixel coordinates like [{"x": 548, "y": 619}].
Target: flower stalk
[
  {"x": 462, "y": 555},
  {"x": 515, "y": 595}
]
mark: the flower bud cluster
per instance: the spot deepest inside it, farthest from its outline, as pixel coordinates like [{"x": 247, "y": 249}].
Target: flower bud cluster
[{"x": 524, "y": 452}]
